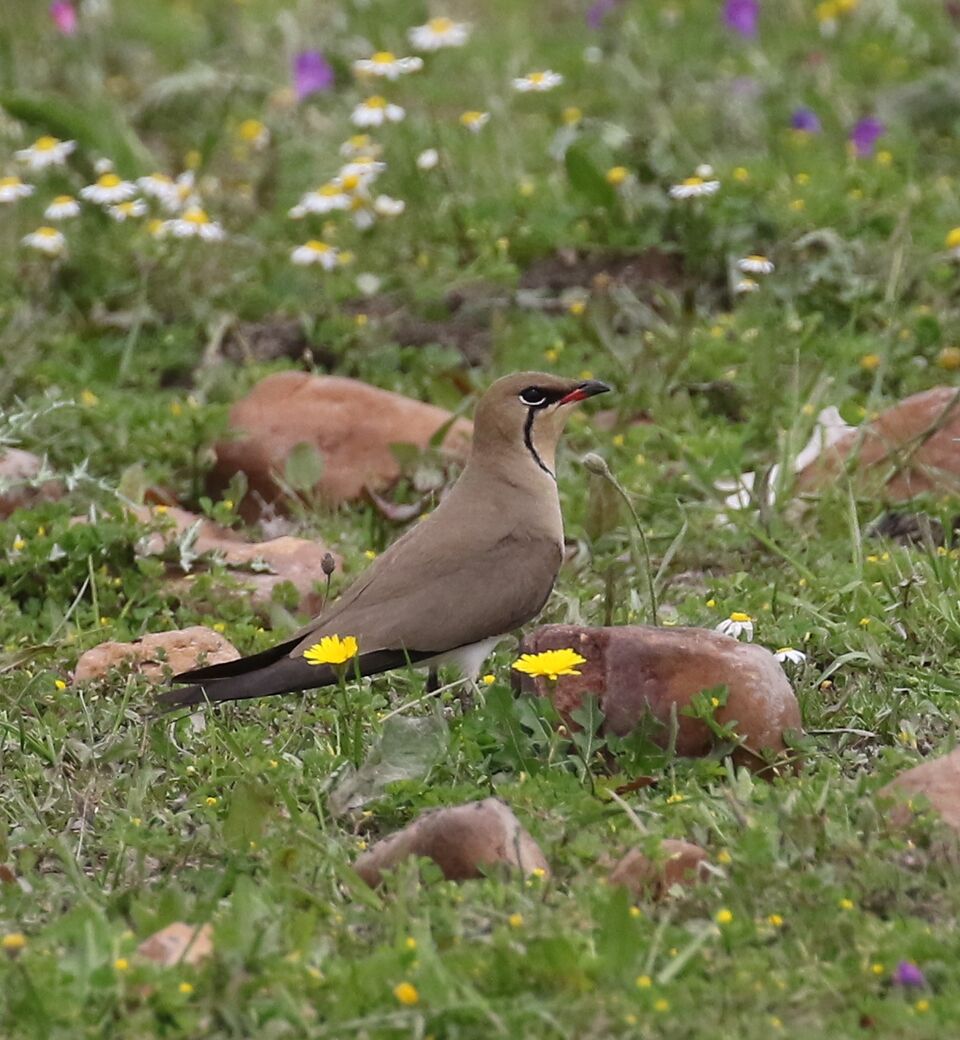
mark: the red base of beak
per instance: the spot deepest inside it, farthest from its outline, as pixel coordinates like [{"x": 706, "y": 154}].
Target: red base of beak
[{"x": 585, "y": 390}]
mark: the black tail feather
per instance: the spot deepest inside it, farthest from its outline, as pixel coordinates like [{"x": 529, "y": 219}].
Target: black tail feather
[
  {"x": 239, "y": 667},
  {"x": 288, "y": 675}
]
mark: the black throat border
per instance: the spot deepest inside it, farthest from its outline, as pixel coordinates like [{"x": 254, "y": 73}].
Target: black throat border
[{"x": 528, "y": 441}]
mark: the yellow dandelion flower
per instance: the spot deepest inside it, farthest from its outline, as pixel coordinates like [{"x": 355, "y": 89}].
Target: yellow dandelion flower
[
  {"x": 949, "y": 359},
  {"x": 723, "y": 916},
  {"x": 572, "y": 115},
  {"x": 576, "y": 307},
  {"x": 922, "y": 1005},
  {"x": 724, "y": 857},
  {"x": 211, "y": 801},
  {"x": 616, "y": 175},
  {"x": 870, "y": 362},
  {"x": 953, "y": 238},
  {"x": 121, "y": 964},
  {"x": 661, "y": 1005},
  {"x": 775, "y": 920},
  {"x": 185, "y": 988},
  {"x": 13, "y": 942},
  {"x": 877, "y": 968},
  {"x": 515, "y": 920},
  {"x": 406, "y": 993},
  {"x": 550, "y": 663},
  {"x": 741, "y": 174},
  {"x": 488, "y": 679},
  {"x": 410, "y": 943},
  {"x": 644, "y": 982},
  {"x": 332, "y": 650},
  {"x": 846, "y": 904}
]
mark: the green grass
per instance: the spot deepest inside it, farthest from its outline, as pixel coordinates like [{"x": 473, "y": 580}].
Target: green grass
[{"x": 118, "y": 825}]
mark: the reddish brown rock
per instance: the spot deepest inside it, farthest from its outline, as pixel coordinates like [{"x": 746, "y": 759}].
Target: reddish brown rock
[
  {"x": 675, "y": 863},
  {"x": 259, "y": 567},
  {"x": 350, "y": 424},
  {"x": 636, "y": 671},
  {"x": 18, "y": 474},
  {"x": 178, "y": 943},
  {"x": 461, "y": 840},
  {"x": 158, "y": 654},
  {"x": 911, "y": 448},
  {"x": 935, "y": 783}
]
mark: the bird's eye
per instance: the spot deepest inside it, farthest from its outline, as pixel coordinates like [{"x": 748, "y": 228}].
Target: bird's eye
[{"x": 533, "y": 396}]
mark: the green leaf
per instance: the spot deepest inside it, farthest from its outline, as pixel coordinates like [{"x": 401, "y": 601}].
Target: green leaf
[
  {"x": 250, "y": 805},
  {"x": 587, "y": 179},
  {"x": 304, "y": 467},
  {"x": 98, "y": 126}
]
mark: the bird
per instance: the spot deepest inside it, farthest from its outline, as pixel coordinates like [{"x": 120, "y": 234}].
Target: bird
[{"x": 481, "y": 565}]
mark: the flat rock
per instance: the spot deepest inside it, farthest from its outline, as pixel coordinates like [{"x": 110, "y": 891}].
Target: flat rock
[
  {"x": 461, "y": 840},
  {"x": 158, "y": 654},
  {"x": 19, "y": 488},
  {"x": 909, "y": 449},
  {"x": 178, "y": 943},
  {"x": 350, "y": 424},
  {"x": 936, "y": 781},
  {"x": 675, "y": 863},
  {"x": 638, "y": 671},
  {"x": 259, "y": 567}
]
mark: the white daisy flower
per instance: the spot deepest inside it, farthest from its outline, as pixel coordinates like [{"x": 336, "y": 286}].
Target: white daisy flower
[
  {"x": 787, "y": 654},
  {"x": 46, "y": 240},
  {"x": 254, "y": 134},
  {"x": 376, "y": 111},
  {"x": 745, "y": 285},
  {"x": 325, "y": 199},
  {"x": 359, "y": 144},
  {"x": 194, "y": 223},
  {"x": 368, "y": 283},
  {"x": 693, "y": 188},
  {"x": 108, "y": 190},
  {"x": 388, "y": 207},
  {"x": 438, "y": 33},
  {"x": 157, "y": 186},
  {"x": 125, "y": 210},
  {"x": 737, "y": 625},
  {"x": 755, "y": 263},
  {"x": 428, "y": 159},
  {"x": 387, "y": 65},
  {"x": 364, "y": 215},
  {"x": 538, "y": 81},
  {"x": 62, "y": 208},
  {"x": 474, "y": 121},
  {"x": 46, "y": 151},
  {"x": 316, "y": 252},
  {"x": 363, "y": 168},
  {"x": 12, "y": 188}
]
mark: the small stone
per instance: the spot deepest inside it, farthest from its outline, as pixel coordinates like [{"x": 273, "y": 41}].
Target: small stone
[
  {"x": 638, "y": 671},
  {"x": 158, "y": 655},
  {"x": 936, "y": 782},
  {"x": 259, "y": 567},
  {"x": 352, "y": 427},
  {"x": 178, "y": 943},
  {"x": 461, "y": 840},
  {"x": 676, "y": 863},
  {"x": 911, "y": 448},
  {"x": 21, "y": 468}
]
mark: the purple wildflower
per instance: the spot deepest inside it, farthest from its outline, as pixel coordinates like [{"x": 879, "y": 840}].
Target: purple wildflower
[
  {"x": 865, "y": 134},
  {"x": 64, "y": 16},
  {"x": 599, "y": 10},
  {"x": 741, "y": 16},
  {"x": 805, "y": 120},
  {"x": 908, "y": 975},
  {"x": 312, "y": 74}
]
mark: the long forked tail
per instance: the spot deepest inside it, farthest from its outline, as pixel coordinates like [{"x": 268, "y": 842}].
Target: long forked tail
[{"x": 263, "y": 675}]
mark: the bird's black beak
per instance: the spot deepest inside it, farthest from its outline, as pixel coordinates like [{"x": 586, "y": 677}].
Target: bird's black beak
[{"x": 590, "y": 388}]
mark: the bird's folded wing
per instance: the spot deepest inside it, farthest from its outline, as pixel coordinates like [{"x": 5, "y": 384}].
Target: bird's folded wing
[{"x": 439, "y": 594}]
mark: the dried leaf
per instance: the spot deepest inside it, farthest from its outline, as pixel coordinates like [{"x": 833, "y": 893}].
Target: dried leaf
[{"x": 178, "y": 943}]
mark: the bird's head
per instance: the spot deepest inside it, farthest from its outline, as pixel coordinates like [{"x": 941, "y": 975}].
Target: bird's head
[{"x": 527, "y": 411}]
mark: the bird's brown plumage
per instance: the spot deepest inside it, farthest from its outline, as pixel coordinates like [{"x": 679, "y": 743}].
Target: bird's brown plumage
[{"x": 482, "y": 564}]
